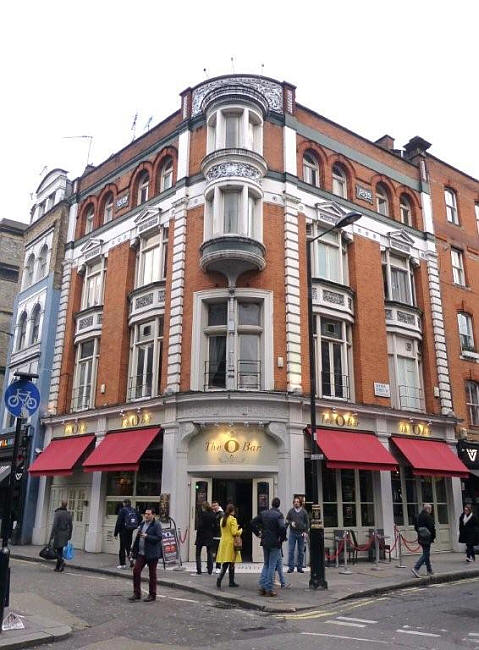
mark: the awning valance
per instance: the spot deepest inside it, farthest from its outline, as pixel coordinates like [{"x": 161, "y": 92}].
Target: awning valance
[
  {"x": 430, "y": 457},
  {"x": 354, "y": 450},
  {"x": 120, "y": 451},
  {"x": 61, "y": 456}
]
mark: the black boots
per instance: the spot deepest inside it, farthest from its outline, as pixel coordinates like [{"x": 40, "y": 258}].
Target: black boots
[{"x": 232, "y": 575}]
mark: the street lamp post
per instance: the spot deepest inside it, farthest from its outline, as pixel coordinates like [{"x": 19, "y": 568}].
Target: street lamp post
[{"x": 316, "y": 532}]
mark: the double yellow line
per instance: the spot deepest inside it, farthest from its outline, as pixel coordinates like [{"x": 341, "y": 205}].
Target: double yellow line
[{"x": 319, "y": 613}]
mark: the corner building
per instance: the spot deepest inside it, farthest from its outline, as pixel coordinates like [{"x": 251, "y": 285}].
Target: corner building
[{"x": 185, "y": 364}]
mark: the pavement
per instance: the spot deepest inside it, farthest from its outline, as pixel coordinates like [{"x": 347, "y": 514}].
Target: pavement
[
  {"x": 364, "y": 579},
  {"x": 37, "y": 630}
]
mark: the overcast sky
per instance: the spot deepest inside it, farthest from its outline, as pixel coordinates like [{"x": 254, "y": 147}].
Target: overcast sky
[{"x": 85, "y": 68}]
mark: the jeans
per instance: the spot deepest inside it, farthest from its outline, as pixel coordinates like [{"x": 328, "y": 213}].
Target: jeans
[
  {"x": 209, "y": 558},
  {"x": 139, "y": 565},
  {"x": 271, "y": 556},
  {"x": 424, "y": 559},
  {"x": 125, "y": 544},
  {"x": 279, "y": 570},
  {"x": 470, "y": 551},
  {"x": 295, "y": 538}
]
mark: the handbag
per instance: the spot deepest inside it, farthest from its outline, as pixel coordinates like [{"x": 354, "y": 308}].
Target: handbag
[
  {"x": 48, "y": 553},
  {"x": 237, "y": 543},
  {"x": 68, "y": 551},
  {"x": 423, "y": 535}
]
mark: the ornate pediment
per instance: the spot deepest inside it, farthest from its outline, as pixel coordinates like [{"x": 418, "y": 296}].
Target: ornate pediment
[
  {"x": 400, "y": 240},
  {"x": 330, "y": 212},
  {"x": 147, "y": 219},
  {"x": 91, "y": 248}
]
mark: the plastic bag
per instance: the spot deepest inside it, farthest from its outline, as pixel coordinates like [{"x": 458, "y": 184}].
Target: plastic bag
[{"x": 68, "y": 552}]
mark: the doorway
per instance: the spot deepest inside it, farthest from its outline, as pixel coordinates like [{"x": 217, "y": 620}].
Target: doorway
[{"x": 240, "y": 493}]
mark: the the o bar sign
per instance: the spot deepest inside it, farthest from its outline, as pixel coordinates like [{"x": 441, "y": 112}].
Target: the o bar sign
[
  {"x": 232, "y": 450},
  {"x": 339, "y": 419}
]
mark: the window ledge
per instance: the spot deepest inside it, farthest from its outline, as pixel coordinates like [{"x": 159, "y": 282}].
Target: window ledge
[{"x": 469, "y": 355}]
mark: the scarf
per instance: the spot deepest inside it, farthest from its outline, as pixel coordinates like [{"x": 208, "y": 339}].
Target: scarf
[{"x": 465, "y": 518}]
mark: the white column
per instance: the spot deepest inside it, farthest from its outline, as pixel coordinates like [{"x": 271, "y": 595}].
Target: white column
[
  {"x": 289, "y": 151},
  {"x": 60, "y": 335},
  {"x": 96, "y": 514},
  {"x": 384, "y": 513},
  {"x": 454, "y": 512},
  {"x": 243, "y": 224},
  {"x": 40, "y": 532},
  {"x": 293, "y": 315},
  {"x": 183, "y": 154},
  {"x": 243, "y": 139}
]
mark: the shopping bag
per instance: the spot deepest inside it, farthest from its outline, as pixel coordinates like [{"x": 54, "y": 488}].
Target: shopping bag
[
  {"x": 48, "y": 553},
  {"x": 68, "y": 552}
]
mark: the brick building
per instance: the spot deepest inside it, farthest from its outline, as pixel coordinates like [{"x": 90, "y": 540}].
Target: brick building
[
  {"x": 184, "y": 363},
  {"x": 34, "y": 324}
]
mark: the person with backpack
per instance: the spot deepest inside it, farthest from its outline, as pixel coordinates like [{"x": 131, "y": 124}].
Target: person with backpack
[
  {"x": 426, "y": 534},
  {"x": 269, "y": 525},
  {"x": 127, "y": 521}
]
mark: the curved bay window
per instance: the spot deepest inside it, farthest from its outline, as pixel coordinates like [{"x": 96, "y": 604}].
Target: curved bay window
[
  {"x": 235, "y": 127},
  {"x": 398, "y": 276},
  {"x": 329, "y": 257},
  {"x": 233, "y": 210},
  {"x": 405, "y": 371},
  {"x": 333, "y": 357},
  {"x": 152, "y": 258},
  {"x": 145, "y": 359}
]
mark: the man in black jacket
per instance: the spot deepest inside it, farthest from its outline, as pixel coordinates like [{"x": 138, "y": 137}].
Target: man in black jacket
[
  {"x": 298, "y": 521},
  {"x": 146, "y": 550},
  {"x": 127, "y": 521},
  {"x": 270, "y": 526},
  {"x": 426, "y": 534}
]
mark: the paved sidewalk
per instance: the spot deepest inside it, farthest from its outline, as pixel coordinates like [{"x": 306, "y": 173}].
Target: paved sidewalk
[
  {"x": 38, "y": 630},
  {"x": 363, "y": 581}
]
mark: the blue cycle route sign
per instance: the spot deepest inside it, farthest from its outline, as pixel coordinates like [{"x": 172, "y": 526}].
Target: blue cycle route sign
[{"x": 22, "y": 398}]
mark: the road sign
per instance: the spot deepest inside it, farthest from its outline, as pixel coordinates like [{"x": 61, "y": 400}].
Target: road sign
[
  {"x": 317, "y": 456},
  {"x": 22, "y": 398}
]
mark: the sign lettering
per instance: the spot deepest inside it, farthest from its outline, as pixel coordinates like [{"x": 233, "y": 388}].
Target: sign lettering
[
  {"x": 472, "y": 453},
  {"x": 364, "y": 194},
  {"x": 74, "y": 427},
  {"x": 122, "y": 201},
  {"x": 134, "y": 419},
  {"x": 339, "y": 419},
  {"x": 415, "y": 429}
]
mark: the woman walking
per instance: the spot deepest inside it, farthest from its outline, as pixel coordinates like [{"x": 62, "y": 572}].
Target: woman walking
[
  {"x": 468, "y": 532},
  {"x": 228, "y": 553},
  {"x": 204, "y": 536}
]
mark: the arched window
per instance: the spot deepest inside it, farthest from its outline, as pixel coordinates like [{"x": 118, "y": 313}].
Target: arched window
[
  {"x": 22, "y": 331},
  {"x": 42, "y": 262},
  {"x": 166, "y": 174},
  {"x": 143, "y": 184},
  {"x": 108, "y": 209},
  {"x": 405, "y": 210},
  {"x": 340, "y": 186},
  {"x": 382, "y": 199},
  {"x": 29, "y": 270},
  {"x": 310, "y": 169},
  {"x": 89, "y": 216},
  {"x": 35, "y": 330},
  {"x": 451, "y": 206}
]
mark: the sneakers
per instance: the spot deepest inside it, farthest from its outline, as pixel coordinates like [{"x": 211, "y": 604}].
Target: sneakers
[
  {"x": 415, "y": 573},
  {"x": 121, "y": 566},
  {"x": 300, "y": 571},
  {"x": 218, "y": 570},
  {"x": 468, "y": 559},
  {"x": 290, "y": 571}
]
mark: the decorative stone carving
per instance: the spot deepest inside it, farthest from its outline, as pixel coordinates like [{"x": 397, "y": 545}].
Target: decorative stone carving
[
  {"x": 389, "y": 314},
  {"x": 161, "y": 295},
  {"x": 333, "y": 297},
  {"x": 232, "y": 169},
  {"x": 272, "y": 91},
  {"x": 144, "y": 301},
  {"x": 83, "y": 323},
  {"x": 314, "y": 293},
  {"x": 404, "y": 317}
]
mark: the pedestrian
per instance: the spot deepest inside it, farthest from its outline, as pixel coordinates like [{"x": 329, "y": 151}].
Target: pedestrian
[
  {"x": 270, "y": 526},
  {"x": 219, "y": 512},
  {"x": 204, "y": 536},
  {"x": 298, "y": 521},
  {"x": 426, "y": 534},
  {"x": 61, "y": 534},
  {"x": 281, "y": 582},
  {"x": 468, "y": 532},
  {"x": 127, "y": 521},
  {"x": 146, "y": 550},
  {"x": 228, "y": 551}
]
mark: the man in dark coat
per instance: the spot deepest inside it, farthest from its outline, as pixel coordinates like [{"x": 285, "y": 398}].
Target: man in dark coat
[
  {"x": 62, "y": 530},
  {"x": 204, "y": 536},
  {"x": 127, "y": 521},
  {"x": 270, "y": 526},
  {"x": 426, "y": 534},
  {"x": 146, "y": 550}
]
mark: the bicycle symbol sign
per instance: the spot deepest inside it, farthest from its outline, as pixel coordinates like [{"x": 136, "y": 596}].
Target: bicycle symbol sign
[{"x": 22, "y": 398}]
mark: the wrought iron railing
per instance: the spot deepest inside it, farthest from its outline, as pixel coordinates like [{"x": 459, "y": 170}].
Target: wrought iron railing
[
  {"x": 249, "y": 375},
  {"x": 411, "y": 397},
  {"x": 81, "y": 398},
  {"x": 334, "y": 385},
  {"x": 140, "y": 386}
]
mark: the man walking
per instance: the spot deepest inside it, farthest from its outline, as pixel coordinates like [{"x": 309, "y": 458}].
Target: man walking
[
  {"x": 127, "y": 521},
  {"x": 297, "y": 519},
  {"x": 62, "y": 530},
  {"x": 218, "y": 510},
  {"x": 270, "y": 526},
  {"x": 426, "y": 534},
  {"x": 146, "y": 550}
]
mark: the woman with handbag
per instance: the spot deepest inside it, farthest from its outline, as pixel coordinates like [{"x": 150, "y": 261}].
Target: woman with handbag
[
  {"x": 468, "y": 532},
  {"x": 229, "y": 550}
]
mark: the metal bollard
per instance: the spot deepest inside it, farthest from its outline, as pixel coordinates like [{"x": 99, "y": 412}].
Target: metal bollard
[
  {"x": 336, "y": 550},
  {"x": 376, "y": 566},
  {"x": 400, "y": 565},
  {"x": 345, "y": 570}
]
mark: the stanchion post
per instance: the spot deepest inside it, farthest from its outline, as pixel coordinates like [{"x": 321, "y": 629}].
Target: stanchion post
[
  {"x": 337, "y": 542},
  {"x": 376, "y": 566},
  {"x": 345, "y": 570},
  {"x": 399, "y": 565}
]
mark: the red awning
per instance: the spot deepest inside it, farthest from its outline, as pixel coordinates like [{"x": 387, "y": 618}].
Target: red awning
[
  {"x": 431, "y": 457},
  {"x": 354, "y": 450},
  {"x": 61, "y": 456},
  {"x": 120, "y": 451}
]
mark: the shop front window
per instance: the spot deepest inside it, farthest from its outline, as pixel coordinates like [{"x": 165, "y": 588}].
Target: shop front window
[
  {"x": 347, "y": 498},
  {"x": 143, "y": 487},
  {"x": 410, "y": 492}
]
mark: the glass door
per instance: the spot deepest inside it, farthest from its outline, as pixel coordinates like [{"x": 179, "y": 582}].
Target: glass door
[{"x": 262, "y": 496}]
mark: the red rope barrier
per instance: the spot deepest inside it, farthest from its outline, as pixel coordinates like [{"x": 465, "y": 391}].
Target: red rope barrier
[
  {"x": 332, "y": 557},
  {"x": 407, "y": 542}
]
